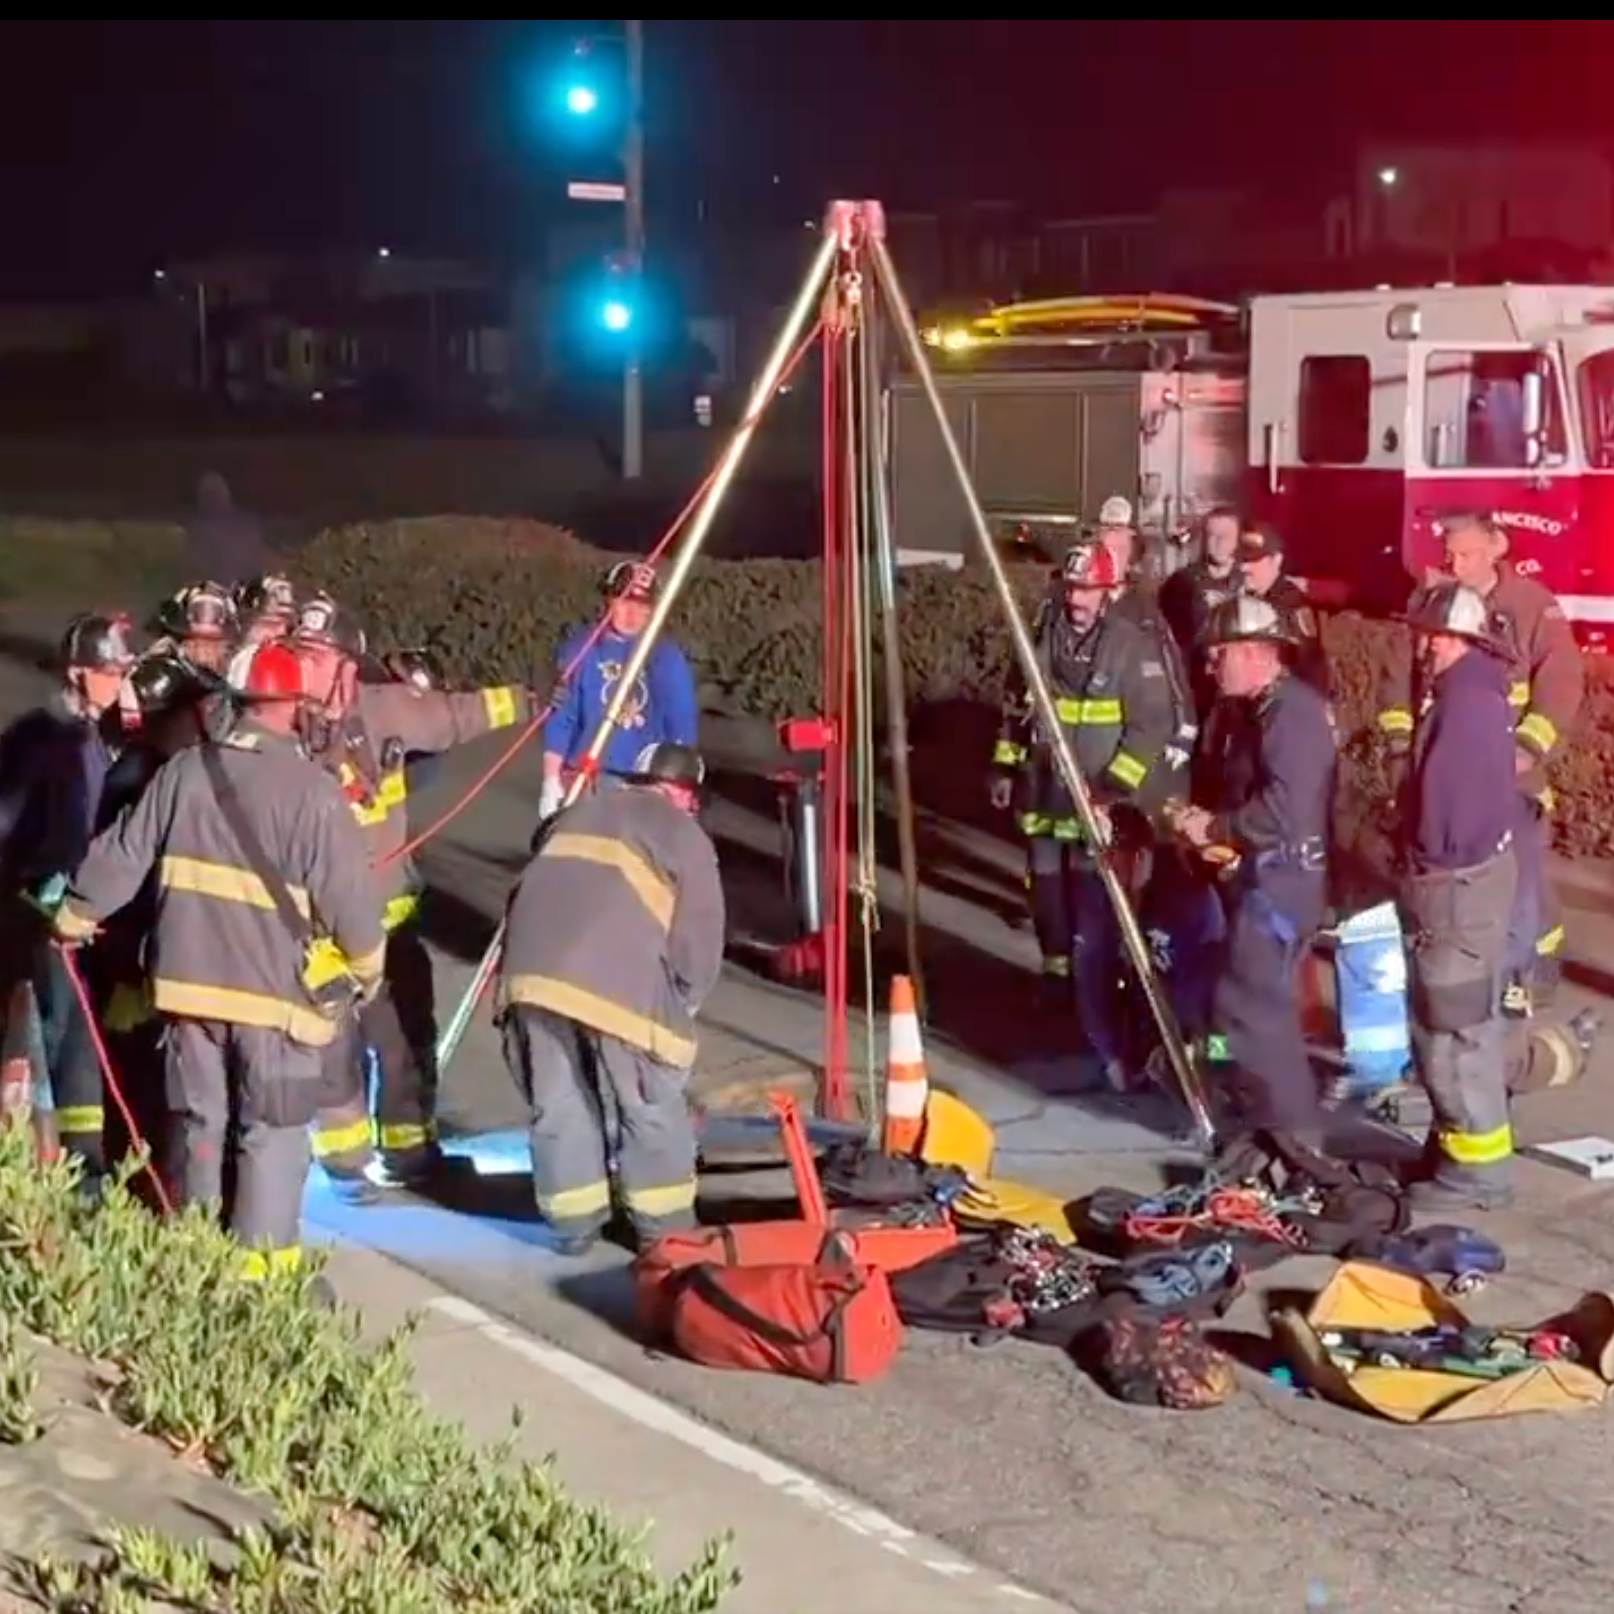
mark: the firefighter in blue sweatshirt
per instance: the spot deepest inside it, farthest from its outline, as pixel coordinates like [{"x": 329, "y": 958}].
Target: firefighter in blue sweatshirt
[
  {"x": 663, "y": 707},
  {"x": 1457, "y": 895}
]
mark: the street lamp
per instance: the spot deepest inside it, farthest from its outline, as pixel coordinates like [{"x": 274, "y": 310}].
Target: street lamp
[{"x": 383, "y": 252}]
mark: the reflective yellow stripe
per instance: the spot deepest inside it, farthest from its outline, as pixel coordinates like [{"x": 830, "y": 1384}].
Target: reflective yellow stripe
[
  {"x": 1395, "y": 720},
  {"x": 1478, "y": 1148},
  {"x": 1548, "y": 797},
  {"x": 223, "y": 882},
  {"x": 1550, "y": 942},
  {"x": 391, "y": 792},
  {"x": 572, "y": 1204},
  {"x": 1538, "y": 732},
  {"x": 1065, "y": 829},
  {"x": 193, "y": 1001},
  {"x": 1035, "y": 824},
  {"x": 647, "y": 882},
  {"x": 127, "y": 1007},
  {"x": 405, "y": 1135},
  {"x": 1006, "y": 753},
  {"x": 1519, "y": 693},
  {"x": 500, "y": 705},
  {"x": 399, "y": 911},
  {"x": 72, "y": 924},
  {"x": 1076, "y": 713},
  {"x": 79, "y": 1118},
  {"x": 1056, "y": 964},
  {"x": 601, "y": 1014},
  {"x": 353, "y": 1138},
  {"x": 1126, "y": 768},
  {"x": 256, "y": 1265},
  {"x": 668, "y": 1201}
]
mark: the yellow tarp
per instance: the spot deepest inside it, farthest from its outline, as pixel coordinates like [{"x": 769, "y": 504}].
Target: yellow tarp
[{"x": 1362, "y": 1295}]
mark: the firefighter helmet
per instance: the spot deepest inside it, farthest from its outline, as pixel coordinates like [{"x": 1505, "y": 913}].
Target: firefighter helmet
[
  {"x": 98, "y": 642},
  {"x": 1091, "y": 564},
  {"x": 323, "y": 624},
  {"x": 417, "y": 668},
  {"x": 268, "y": 596},
  {"x": 198, "y": 611},
  {"x": 632, "y": 580},
  {"x": 1452, "y": 608},
  {"x": 1247, "y": 617},
  {"x": 669, "y": 762},
  {"x": 163, "y": 680},
  {"x": 268, "y": 672}
]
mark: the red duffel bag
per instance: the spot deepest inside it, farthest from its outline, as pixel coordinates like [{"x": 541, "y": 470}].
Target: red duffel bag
[
  {"x": 744, "y": 1244},
  {"x": 828, "y": 1321}
]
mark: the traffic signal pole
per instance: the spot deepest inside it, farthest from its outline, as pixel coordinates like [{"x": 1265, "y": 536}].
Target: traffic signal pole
[{"x": 633, "y": 221}]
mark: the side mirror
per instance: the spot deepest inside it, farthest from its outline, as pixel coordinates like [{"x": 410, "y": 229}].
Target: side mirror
[{"x": 1533, "y": 403}]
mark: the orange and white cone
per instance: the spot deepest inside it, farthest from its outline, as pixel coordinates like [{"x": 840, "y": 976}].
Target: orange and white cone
[{"x": 906, "y": 1084}]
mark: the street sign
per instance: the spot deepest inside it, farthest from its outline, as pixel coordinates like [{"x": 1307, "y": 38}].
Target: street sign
[{"x": 589, "y": 190}]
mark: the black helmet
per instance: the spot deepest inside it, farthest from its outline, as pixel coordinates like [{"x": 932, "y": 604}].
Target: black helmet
[
  {"x": 162, "y": 681},
  {"x": 417, "y": 668},
  {"x": 98, "y": 643},
  {"x": 197, "y": 611},
  {"x": 324, "y": 623},
  {"x": 669, "y": 762},
  {"x": 632, "y": 580},
  {"x": 271, "y": 595}
]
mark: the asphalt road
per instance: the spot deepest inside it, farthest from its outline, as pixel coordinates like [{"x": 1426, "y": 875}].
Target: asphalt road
[{"x": 1272, "y": 1503}]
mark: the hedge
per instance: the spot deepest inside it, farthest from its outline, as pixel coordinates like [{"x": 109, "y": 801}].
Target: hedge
[
  {"x": 375, "y": 1505},
  {"x": 492, "y": 598}
]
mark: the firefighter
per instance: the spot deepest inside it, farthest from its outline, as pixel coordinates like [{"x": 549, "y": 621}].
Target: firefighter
[
  {"x": 364, "y": 733},
  {"x": 1458, "y": 893},
  {"x": 1268, "y": 831},
  {"x": 1114, "y": 700},
  {"x": 260, "y": 871},
  {"x": 1546, "y": 691},
  {"x": 199, "y": 623},
  {"x": 266, "y": 608},
  {"x": 54, "y": 765},
  {"x": 599, "y": 1005},
  {"x": 663, "y": 706},
  {"x": 1260, "y": 570},
  {"x": 1192, "y": 592},
  {"x": 163, "y": 715}
]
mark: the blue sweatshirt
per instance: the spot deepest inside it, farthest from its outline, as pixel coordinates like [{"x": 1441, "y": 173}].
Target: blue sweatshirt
[
  {"x": 1463, "y": 789},
  {"x": 663, "y": 707},
  {"x": 53, "y": 769}
]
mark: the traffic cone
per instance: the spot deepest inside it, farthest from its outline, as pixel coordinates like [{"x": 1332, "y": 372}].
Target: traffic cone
[{"x": 906, "y": 1084}]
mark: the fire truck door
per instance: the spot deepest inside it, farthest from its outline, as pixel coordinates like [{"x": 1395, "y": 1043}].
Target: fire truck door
[{"x": 1490, "y": 433}]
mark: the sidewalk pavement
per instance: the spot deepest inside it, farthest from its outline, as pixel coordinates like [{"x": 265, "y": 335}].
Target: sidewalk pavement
[{"x": 802, "y": 1546}]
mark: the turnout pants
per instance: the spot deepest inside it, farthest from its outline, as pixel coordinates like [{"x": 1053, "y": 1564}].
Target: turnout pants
[
  {"x": 248, "y": 1094},
  {"x": 573, "y": 1079},
  {"x": 71, "y": 1066},
  {"x": 1050, "y": 865},
  {"x": 400, "y": 1025},
  {"x": 1535, "y": 938},
  {"x": 1255, "y": 1005},
  {"x": 1459, "y": 919}
]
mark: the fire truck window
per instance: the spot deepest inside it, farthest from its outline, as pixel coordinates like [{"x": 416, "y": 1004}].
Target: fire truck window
[
  {"x": 1336, "y": 401},
  {"x": 1474, "y": 411},
  {"x": 1597, "y": 409}
]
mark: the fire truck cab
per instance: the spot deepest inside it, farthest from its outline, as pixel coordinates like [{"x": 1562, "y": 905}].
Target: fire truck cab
[{"x": 1371, "y": 414}]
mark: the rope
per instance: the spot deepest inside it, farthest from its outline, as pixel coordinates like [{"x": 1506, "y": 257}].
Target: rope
[{"x": 109, "y": 1076}]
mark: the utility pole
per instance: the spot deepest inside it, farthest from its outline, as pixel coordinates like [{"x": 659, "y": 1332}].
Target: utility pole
[
  {"x": 204, "y": 367},
  {"x": 633, "y": 219}
]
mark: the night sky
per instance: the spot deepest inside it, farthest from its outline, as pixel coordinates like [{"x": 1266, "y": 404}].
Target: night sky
[{"x": 123, "y": 144}]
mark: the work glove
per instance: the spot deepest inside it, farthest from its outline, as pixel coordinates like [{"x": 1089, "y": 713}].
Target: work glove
[
  {"x": 1001, "y": 792},
  {"x": 550, "y": 798}
]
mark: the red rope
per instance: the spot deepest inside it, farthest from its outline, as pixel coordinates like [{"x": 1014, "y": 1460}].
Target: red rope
[{"x": 110, "y": 1077}]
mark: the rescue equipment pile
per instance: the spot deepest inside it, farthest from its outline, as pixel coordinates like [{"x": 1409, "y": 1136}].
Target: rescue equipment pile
[{"x": 931, "y": 1241}]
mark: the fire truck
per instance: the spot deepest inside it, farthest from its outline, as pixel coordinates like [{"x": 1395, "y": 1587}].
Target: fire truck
[{"x": 1351, "y": 420}]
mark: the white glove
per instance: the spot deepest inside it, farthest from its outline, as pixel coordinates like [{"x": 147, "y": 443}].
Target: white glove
[{"x": 550, "y": 799}]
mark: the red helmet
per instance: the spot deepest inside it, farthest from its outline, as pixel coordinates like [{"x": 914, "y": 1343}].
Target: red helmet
[
  {"x": 1090, "y": 564},
  {"x": 269, "y": 672}
]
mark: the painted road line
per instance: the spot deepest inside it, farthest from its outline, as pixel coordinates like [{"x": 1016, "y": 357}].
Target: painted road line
[{"x": 661, "y": 1417}]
